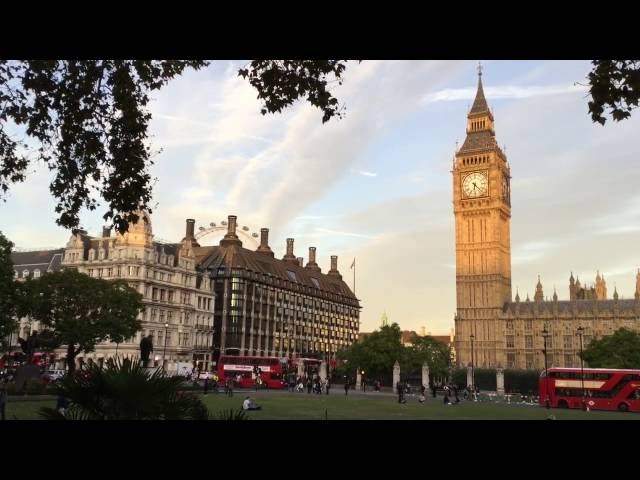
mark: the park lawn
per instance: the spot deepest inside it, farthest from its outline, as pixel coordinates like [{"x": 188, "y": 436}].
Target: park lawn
[
  {"x": 27, "y": 409},
  {"x": 302, "y": 406}
]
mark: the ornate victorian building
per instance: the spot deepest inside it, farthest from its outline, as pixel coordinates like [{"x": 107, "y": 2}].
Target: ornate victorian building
[
  {"x": 178, "y": 299},
  {"x": 499, "y": 331},
  {"x": 203, "y": 301}
]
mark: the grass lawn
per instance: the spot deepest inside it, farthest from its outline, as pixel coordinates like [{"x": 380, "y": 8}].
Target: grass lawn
[{"x": 302, "y": 406}]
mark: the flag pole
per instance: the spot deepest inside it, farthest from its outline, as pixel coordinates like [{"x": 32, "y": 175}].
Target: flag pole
[{"x": 354, "y": 276}]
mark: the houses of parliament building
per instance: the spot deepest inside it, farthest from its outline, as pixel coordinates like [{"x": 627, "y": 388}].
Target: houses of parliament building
[{"x": 498, "y": 329}]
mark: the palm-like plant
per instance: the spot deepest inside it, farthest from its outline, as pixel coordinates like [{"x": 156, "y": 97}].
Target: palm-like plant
[{"x": 123, "y": 390}]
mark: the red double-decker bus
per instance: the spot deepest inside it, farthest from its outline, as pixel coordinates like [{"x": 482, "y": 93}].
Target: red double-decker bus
[
  {"x": 593, "y": 388},
  {"x": 243, "y": 371}
]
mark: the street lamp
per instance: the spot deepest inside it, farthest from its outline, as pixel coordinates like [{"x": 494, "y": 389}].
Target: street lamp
[
  {"x": 473, "y": 379},
  {"x": 580, "y": 332},
  {"x": 545, "y": 335},
  {"x": 166, "y": 326}
]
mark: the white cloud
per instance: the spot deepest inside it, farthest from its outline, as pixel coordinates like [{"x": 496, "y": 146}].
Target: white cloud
[
  {"x": 501, "y": 92},
  {"x": 364, "y": 173}
]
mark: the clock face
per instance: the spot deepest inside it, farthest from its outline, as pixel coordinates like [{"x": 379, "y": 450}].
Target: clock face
[{"x": 475, "y": 185}]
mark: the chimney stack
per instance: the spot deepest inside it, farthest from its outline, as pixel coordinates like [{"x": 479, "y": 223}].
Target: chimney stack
[
  {"x": 312, "y": 265},
  {"x": 334, "y": 267},
  {"x": 189, "y": 233},
  {"x": 289, "y": 256},
  {"x": 231, "y": 238},
  {"x": 191, "y": 225},
  {"x": 264, "y": 242},
  {"x": 106, "y": 231}
]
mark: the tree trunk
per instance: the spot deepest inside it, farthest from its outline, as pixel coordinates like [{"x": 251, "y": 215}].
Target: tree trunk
[{"x": 71, "y": 359}]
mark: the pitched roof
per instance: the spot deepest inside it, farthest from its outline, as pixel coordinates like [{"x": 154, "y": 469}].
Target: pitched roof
[
  {"x": 43, "y": 260},
  {"x": 41, "y": 257},
  {"x": 480, "y": 103},
  {"x": 235, "y": 256},
  {"x": 480, "y": 140}
]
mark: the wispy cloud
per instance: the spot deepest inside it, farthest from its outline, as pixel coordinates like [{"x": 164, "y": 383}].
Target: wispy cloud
[
  {"x": 364, "y": 173},
  {"x": 345, "y": 234},
  {"x": 501, "y": 92}
]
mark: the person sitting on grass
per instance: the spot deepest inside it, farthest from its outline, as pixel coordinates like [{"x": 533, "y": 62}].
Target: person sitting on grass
[{"x": 249, "y": 404}]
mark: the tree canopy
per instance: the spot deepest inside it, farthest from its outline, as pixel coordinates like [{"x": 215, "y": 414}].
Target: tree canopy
[
  {"x": 89, "y": 121},
  {"x": 81, "y": 311},
  {"x": 8, "y": 293},
  {"x": 377, "y": 353},
  {"x": 620, "y": 350},
  {"x": 614, "y": 84},
  {"x": 427, "y": 349}
]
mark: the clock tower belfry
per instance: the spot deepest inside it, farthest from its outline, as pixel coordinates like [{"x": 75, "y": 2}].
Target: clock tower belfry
[{"x": 482, "y": 210}]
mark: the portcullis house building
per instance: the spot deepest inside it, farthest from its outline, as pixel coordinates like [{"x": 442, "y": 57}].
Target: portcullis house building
[{"x": 267, "y": 306}]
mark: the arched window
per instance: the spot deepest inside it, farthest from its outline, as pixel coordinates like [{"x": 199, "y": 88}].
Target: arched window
[
  {"x": 15, "y": 274},
  {"x": 25, "y": 273},
  {"x": 92, "y": 254}
]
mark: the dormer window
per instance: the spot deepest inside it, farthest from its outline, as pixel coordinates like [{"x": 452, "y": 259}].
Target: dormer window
[
  {"x": 25, "y": 273},
  {"x": 92, "y": 254},
  {"x": 36, "y": 273}
]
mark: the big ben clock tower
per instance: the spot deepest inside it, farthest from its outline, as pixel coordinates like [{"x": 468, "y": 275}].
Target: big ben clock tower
[{"x": 482, "y": 209}]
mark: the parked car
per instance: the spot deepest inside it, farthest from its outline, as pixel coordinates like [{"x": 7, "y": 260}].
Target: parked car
[{"x": 53, "y": 375}]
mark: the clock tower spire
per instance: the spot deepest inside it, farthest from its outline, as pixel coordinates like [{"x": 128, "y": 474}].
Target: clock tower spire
[{"x": 482, "y": 210}]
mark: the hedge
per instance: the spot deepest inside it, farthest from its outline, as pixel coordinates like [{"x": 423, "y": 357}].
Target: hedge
[{"x": 522, "y": 381}]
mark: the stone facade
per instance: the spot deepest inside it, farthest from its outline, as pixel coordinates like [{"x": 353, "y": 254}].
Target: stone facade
[
  {"x": 504, "y": 332},
  {"x": 178, "y": 299},
  {"x": 205, "y": 301}
]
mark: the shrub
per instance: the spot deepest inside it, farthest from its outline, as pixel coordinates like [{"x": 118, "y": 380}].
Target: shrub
[
  {"x": 521, "y": 381},
  {"x": 232, "y": 415},
  {"x": 125, "y": 391}
]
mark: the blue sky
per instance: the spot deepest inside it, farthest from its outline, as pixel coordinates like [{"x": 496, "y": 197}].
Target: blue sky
[{"x": 376, "y": 185}]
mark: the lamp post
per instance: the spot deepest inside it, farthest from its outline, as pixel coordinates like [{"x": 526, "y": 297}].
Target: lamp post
[
  {"x": 545, "y": 335},
  {"x": 362, "y": 381},
  {"x": 166, "y": 327},
  {"x": 473, "y": 376},
  {"x": 580, "y": 332}
]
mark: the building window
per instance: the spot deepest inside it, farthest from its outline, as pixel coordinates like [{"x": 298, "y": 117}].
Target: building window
[
  {"x": 568, "y": 342},
  {"x": 528, "y": 341},
  {"x": 25, "y": 273},
  {"x": 529, "y": 361},
  {"x": 510, "y": 341},
  {"x": 36, "y": 273},
  {"x": 568, "y": 360}
]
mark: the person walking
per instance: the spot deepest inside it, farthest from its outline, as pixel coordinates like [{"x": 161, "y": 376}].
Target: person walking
[
  {"x": 309, "y": 385},
  {"x": 230, "y": 387},
  {"x": 346, "y": 386},
  {"x": 455, "y": 394},
  {"x": 328, "y": 385},
  {"x": 422, "y": 390},
  {"x": 206, "y": 383},
  {"x": 401, "y": 387}
]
